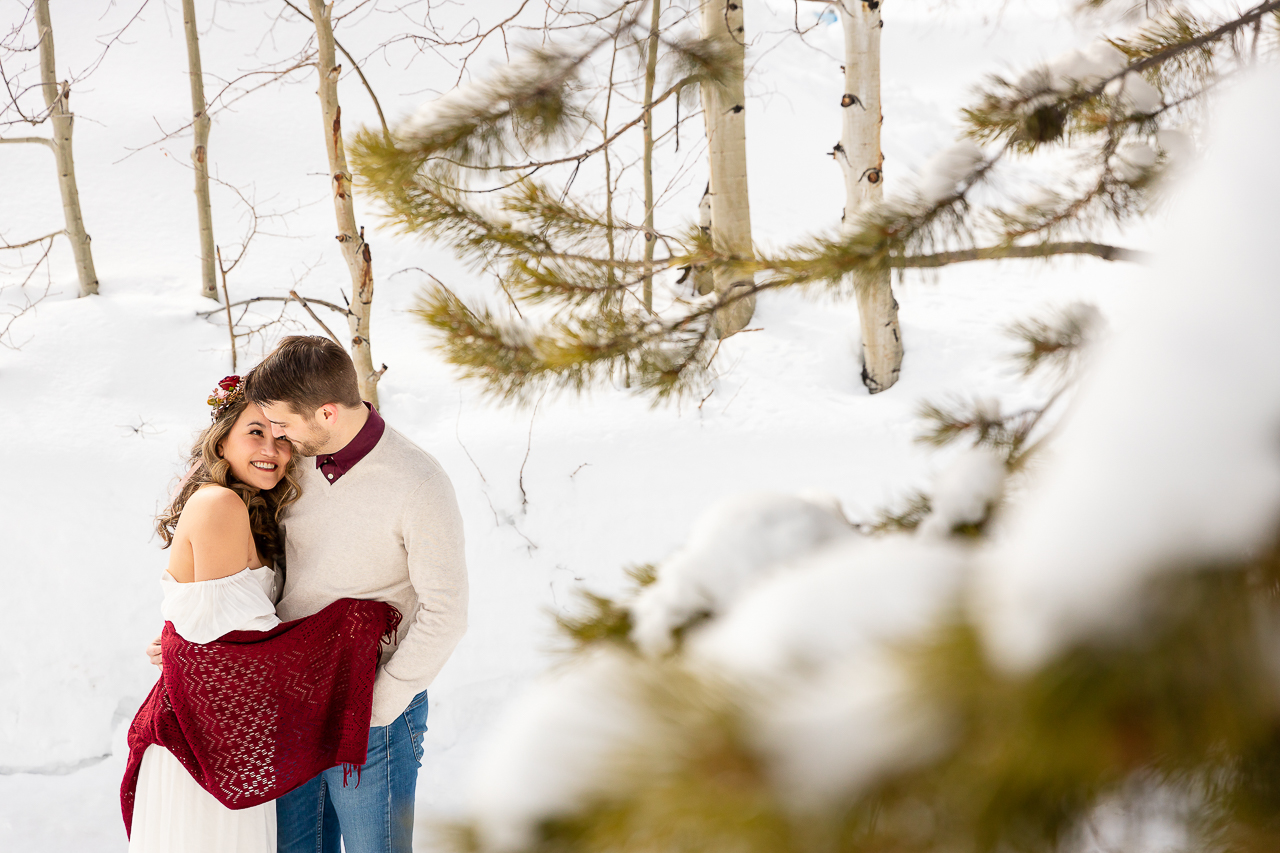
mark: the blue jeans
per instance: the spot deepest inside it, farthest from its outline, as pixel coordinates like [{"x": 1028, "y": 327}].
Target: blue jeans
[{"x": 374, "y": 816}]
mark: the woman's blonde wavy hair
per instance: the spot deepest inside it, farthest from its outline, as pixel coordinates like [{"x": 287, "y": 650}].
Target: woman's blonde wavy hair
[{"x": 206, "y": 466}]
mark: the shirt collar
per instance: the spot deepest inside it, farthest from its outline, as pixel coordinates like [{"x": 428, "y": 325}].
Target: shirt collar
[{"x": 358, "y": 448}]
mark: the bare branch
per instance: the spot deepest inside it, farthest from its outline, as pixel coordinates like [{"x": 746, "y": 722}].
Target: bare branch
[
  {"x": 307, "y": 308},
  {"x": 376, "y": 105},
  {"x": 343, "y": 311},
  {"x": 27, "y": 140},
  {"x": 49, "y": 236},
  {"x": 1044, "y": 250}
]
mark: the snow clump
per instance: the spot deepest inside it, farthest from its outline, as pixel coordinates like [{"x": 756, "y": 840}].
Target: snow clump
[
  {"x": 1135, "y": 94},
  {"x": 826, "y": 738},
  {"x": 829, "y": 707},
  {"x": 838, "y": 601},
  {"x": 556, "y": 748},
  {"x": 1171, "y": 456},
  {"x": 731, "y": 546},
  {"x": 1133, "y": 159},
  {"x": 1087, "y": 68},
  {"x": 945, "y": 170},
  {"x": 965, "y": 491}
]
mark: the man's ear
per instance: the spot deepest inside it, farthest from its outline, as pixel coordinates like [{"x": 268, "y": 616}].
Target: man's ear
[{"x": 327, "y": 413}]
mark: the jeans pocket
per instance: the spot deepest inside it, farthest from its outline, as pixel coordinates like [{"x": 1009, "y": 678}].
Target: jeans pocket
[{"x": 415, "y": 720}]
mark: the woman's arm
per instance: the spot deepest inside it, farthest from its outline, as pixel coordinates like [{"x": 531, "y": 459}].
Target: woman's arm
[{"x": 217, "y": 523}]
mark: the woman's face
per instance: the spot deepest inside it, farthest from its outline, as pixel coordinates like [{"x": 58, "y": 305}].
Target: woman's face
[{"x": 256, "y": 458}]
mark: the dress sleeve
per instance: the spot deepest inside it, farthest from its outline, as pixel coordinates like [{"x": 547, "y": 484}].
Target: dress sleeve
[{"x": 202, "y": 612}]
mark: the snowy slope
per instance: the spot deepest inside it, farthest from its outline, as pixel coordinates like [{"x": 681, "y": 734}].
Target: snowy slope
[{"x": 105, "y": 394}]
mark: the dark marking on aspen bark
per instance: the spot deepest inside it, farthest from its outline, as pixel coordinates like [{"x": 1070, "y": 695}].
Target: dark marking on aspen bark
[{"x": 848, "y": 100}]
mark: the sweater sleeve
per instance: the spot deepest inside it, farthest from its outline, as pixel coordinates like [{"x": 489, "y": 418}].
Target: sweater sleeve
[{"x": 432, "y": 526}]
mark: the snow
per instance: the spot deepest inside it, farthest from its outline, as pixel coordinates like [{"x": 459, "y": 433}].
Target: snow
[
  {"x": 945, "y": 170},
  {"x": 1170, "y": 457},
  {"x": 1087, "y": 67},
  {"x": 558, "y": 747},
  {"x": 733, "y": 544},
  {"x": 1133, "y": 158},
  {"x": 825, "y": 738},
  {"x": 103, "y": 399},
  {"x": 828, "y": 704},
  {"x": 836, "y": 602},
  {"x": 964, "y": 492},
  {"x": 1135, "y": 94}
]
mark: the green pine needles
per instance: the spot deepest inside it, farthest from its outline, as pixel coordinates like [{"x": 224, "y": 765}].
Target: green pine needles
[{"x": 466, "y": 173}]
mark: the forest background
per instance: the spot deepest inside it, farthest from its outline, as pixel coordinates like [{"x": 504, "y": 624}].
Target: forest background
[{"x": 102, "y": 395}]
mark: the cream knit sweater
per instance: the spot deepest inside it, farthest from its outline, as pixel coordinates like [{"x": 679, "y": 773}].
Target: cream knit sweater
[{"x": 389, "y": 530}]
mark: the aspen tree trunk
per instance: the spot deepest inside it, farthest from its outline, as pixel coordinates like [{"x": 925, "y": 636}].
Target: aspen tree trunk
[
  {"x": 650, "y": 76},
  {"x": 725, "y": 109},
  {"x": 703, "y": 281},
  {"x": 862, "y": 162},
  {"x": 354, "y": 249},
  {"x": 200, "y": 152},
  {"x": 56, "y": 98}
]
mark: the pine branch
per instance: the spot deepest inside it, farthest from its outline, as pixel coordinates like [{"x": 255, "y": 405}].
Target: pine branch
[{"x": 1043, "y": 250}]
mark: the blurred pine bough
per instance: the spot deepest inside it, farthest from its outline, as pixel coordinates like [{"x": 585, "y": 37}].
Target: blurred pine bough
[{"x": 1080, "y": 654}]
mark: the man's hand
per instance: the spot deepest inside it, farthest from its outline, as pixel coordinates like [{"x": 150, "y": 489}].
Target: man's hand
[{"x": 153, "y": 653}]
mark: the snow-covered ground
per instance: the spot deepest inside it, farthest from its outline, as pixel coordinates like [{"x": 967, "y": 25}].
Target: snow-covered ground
[{"x": 104, "y": 395}]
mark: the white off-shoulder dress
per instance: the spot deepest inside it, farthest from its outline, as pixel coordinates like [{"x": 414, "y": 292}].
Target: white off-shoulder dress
[{"x": 172, "y": 813}]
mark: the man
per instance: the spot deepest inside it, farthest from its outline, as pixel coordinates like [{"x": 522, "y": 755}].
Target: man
[{"x": 377, "y": 519}]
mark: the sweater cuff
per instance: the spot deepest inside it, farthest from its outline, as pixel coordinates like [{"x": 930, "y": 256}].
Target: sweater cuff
[{"x": 390, "y": 698}]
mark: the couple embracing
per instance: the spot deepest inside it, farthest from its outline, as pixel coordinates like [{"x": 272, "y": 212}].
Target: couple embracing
[{"x": 308, "y": 605}]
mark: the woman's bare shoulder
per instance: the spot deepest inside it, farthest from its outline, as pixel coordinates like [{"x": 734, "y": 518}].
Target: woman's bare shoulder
[{"x": 213, "y": 505}]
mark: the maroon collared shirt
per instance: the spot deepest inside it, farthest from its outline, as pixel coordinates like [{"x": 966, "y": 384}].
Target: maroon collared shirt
[{"x": 334, "y": 465}]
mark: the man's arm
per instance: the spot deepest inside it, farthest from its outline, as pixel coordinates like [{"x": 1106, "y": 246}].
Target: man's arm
[{"x": 438, "y": 571}]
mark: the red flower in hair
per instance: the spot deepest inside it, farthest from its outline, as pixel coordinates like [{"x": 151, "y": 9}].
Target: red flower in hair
[{"x": 229, "y": 390}]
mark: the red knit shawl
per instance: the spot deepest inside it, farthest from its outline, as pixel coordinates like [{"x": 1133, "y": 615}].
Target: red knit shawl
[{"x": 255, "y": 714}]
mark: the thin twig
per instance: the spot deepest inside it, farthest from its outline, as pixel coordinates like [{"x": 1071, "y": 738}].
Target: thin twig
[
  {"x": 524, "y": 497},
  {"x": 49, "y": 236},
  {"x": 343, "y": 311},
  {"x": 226, "y": 299},
  {"x": 315, "y": 317},
  {"x": 386, "y": 131}
]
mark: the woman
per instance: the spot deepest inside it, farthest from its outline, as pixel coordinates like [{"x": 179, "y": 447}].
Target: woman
[{"x": 221, "y": 529}]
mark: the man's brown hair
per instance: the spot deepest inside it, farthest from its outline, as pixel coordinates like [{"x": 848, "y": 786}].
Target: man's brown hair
[{"x": 304, "y": 372}]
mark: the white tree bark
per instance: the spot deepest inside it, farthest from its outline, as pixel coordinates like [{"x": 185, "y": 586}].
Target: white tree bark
[
  {"x": 200, "y": 152},
  {"x": 60, "y": 116},
  {"x": 862, "y": 161},
  {"x": 703, "y": 280},
  {"x": 354, "y": 249},
  {"x": 724, "y": 107},
  {"x": 650, "y": 76}
]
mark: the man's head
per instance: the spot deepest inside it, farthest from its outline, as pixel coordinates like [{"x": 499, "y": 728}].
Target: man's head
[{"x": 308, "y": 390}]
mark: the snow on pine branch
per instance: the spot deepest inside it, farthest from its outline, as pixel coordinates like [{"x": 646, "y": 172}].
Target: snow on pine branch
[
  {"x": 804, "y": 639},
  {"x": 1170, "y": 456}
]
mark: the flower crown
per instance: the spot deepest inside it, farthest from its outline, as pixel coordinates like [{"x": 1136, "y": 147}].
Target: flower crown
[{"x": 229, "y": 391}]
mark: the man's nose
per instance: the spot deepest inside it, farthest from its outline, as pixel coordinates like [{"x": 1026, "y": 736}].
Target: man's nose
[{"x": 277, "y": 432}]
